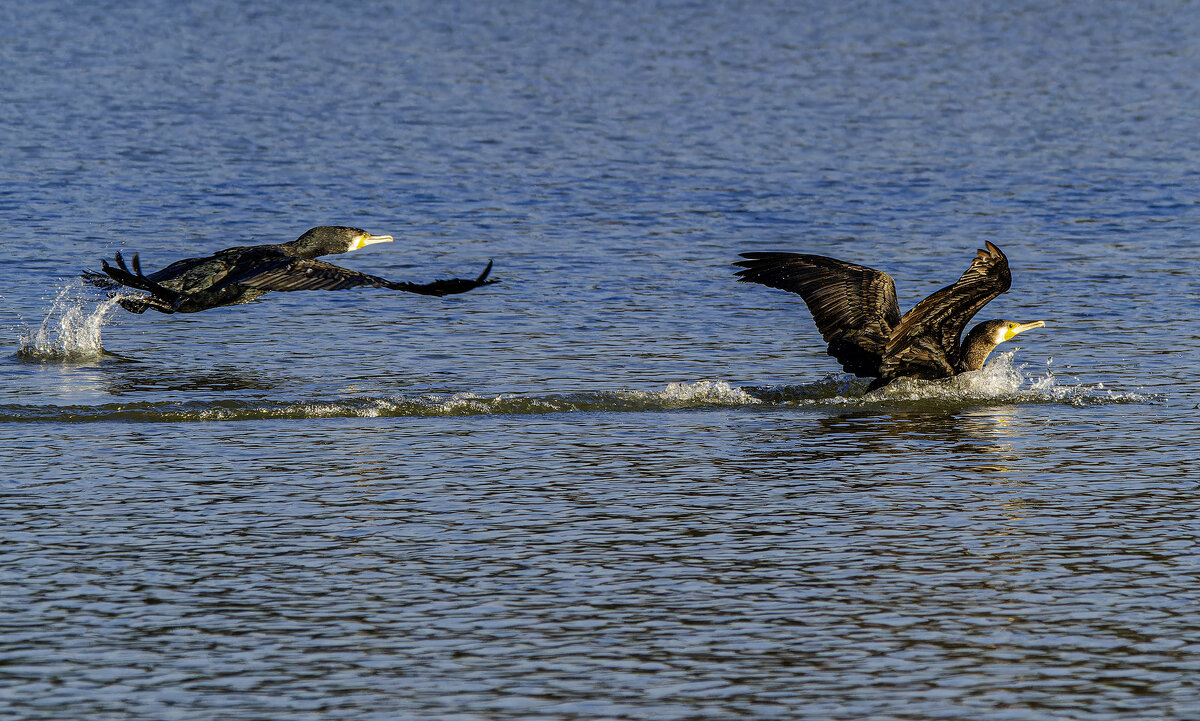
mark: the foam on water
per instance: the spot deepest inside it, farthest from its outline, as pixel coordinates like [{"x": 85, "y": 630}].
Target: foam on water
[
  {"x": 999, "y": 382},
  {"x": 702, "y": 394},
  {"x": 70, "y": 330}
]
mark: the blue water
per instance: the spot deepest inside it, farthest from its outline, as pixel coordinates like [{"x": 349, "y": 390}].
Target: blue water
[{"x": 618, "y": 484}]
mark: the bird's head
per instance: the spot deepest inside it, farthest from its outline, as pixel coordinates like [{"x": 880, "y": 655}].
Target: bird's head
[
  {"x": 989, "y": 334},
  {"x": 1002, "y": 330},
  {"x": 333, "y": 239}
]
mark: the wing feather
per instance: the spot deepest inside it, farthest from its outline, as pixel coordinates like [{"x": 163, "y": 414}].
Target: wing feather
[
  {"x": 853, "y": 306},
  {"x": 288, "y": 274},
  {"x": 925, "y": 342}
]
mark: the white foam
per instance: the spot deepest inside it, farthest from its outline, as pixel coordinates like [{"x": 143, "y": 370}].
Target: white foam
[
  {"x": 698, "y": 393},
  {"x": 675, "y": 395}
]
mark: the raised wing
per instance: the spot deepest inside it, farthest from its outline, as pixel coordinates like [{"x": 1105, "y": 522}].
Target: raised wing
[
  {"x": 926, "y": 341},
  {"x": 287, "y": 274},
  {"x": 854, "y": 306}
]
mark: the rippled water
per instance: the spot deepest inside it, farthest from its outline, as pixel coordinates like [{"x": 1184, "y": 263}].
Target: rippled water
[{"x": 617, "y": 485}]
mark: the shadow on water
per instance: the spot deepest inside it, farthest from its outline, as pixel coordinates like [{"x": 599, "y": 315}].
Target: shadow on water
[
  {"x": 164, "y": 381},
  {"x": 882, "y": 431},
  {"x": 966, "y": 454}
]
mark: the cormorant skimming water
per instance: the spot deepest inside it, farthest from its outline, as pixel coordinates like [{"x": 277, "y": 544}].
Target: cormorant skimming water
[
  {"x": 856, "y": 311},
  {"x": 239, "y": 275}
]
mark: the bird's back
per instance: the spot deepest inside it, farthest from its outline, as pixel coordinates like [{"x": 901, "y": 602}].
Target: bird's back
[{"x": 196, "y": 275}]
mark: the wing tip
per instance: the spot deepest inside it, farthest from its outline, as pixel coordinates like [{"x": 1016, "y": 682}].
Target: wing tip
[{"x": 758, "y": 255}]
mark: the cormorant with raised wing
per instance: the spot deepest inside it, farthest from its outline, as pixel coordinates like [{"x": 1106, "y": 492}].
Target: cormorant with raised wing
[
  {"x": 855, "y": 309},
  {"x": 239, "y": 275}
]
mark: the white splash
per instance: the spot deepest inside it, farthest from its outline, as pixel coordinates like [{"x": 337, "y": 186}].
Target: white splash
[
  {"x": 999, "y": 379},
  {"x": 1002, "y": 380},
  {"x": 70, "y": 330}
]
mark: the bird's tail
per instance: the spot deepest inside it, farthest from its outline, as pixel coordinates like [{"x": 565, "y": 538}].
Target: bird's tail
[{"x": 100, "y": 280}]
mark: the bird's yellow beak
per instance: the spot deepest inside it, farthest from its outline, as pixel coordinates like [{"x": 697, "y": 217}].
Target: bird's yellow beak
[
  {"x": 1015, "y": 328},
  {"x": 366, "y": 240}
]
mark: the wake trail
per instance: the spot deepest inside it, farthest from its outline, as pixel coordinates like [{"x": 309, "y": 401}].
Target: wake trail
[{"x": 1000, "y": 383}]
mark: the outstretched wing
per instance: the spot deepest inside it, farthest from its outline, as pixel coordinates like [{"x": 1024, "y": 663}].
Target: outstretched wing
[
  {"x": 854, "y": 306},
  {"x": 286, "y": 274},
  {"x": 926, "y": 341}
]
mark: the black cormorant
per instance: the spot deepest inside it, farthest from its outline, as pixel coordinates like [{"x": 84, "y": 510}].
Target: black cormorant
[
  {"x": 856, "y": 311},
  {"x": 239, "y": 275}
]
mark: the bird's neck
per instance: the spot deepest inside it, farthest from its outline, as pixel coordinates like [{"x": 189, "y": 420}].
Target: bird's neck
[
  {"x": 975, "y": 349},
  {"x": 296, "y": 249}
]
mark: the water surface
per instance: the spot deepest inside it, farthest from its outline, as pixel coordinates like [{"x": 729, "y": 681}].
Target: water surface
[{"x": 618, "y": 485}]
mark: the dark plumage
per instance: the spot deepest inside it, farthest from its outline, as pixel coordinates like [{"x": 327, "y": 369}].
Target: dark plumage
[
  {"x": 239, "y": 275},
  {"x": 855, "y": 309}
]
